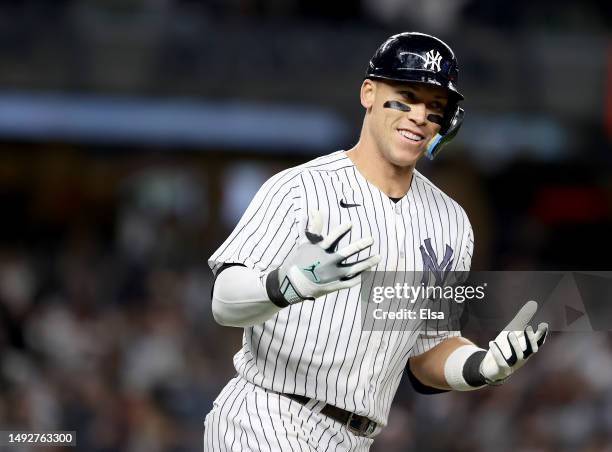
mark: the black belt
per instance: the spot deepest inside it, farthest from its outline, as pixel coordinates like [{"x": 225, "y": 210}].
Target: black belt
[{"x": 359, "y": 425}]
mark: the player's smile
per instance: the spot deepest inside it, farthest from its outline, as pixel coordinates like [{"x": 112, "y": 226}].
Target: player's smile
[{"x": 410, "y": 135}]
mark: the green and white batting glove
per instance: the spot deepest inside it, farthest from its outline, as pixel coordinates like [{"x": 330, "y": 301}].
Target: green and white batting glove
[
  {"x": 315, "y": 268},
  {"x": 511, "y": 349}
]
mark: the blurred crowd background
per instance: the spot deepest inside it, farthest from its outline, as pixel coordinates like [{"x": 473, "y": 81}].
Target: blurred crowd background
[{"x": 134, "y": 133}]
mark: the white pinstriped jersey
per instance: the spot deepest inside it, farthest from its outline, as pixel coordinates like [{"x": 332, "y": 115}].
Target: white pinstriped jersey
[{"x": 318, "y": 348}]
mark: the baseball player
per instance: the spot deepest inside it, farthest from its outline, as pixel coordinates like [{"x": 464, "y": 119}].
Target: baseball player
[{"x": 309, "y": 376}]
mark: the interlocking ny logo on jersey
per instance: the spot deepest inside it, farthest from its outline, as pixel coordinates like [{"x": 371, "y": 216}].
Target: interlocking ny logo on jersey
[
  {"x": 432, "y": 60},
  {"x": 431, "y": 265}
]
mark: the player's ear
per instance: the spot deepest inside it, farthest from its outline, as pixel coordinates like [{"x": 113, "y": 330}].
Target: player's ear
[{"x": 368, "y": 93}]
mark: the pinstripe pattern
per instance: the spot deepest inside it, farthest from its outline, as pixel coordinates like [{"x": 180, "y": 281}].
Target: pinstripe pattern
[
  {"x": 318, "y": 348},
  {"x": 246, "y": 417}
]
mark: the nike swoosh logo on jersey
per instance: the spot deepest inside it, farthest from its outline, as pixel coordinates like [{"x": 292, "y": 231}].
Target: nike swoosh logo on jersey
[{"x": 345, "y": 205}]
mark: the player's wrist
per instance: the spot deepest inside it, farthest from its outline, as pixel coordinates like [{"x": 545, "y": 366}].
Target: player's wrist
[
  {"x": 462, "y": 368},
  {"x": 280, "y": 289},
  {"x": 273, "y": 289}
]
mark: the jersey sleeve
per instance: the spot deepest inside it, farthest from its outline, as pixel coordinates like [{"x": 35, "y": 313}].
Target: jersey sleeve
[
  {"x": 435, "y": 331},
  {"x": 267, "y": 231}
]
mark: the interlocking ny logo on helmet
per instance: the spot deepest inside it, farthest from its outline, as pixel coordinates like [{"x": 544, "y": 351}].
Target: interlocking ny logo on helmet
[{"x": 432, "y": 60}]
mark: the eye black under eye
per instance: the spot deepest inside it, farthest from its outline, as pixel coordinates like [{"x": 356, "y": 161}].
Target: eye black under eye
[{"x": 438, "y": 119}]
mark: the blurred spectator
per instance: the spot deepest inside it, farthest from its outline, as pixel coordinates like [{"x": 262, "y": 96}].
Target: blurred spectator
[{"x": 438, "y": 17}]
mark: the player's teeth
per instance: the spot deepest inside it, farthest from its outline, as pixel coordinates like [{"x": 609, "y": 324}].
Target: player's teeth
[{"x": 410, "y": 135}]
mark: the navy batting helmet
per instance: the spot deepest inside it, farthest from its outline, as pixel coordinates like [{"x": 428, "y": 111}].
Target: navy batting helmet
[{"x": 421, "y": 58}]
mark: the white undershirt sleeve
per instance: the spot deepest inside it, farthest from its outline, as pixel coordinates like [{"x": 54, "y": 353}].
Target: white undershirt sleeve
[{"x": 240, "y": 298}]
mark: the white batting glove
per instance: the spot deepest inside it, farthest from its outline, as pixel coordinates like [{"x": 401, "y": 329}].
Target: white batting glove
[
  {"x": 315, "y": 268},
  {"x": 513, "y": 346}
]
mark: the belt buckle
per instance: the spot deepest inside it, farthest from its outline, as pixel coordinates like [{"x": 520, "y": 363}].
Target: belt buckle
[{"x": 358, "y": 427}]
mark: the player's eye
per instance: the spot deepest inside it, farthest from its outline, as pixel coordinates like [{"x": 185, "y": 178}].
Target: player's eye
[
  {"x": 436, "y": 107},
  {"x": 409, "y": 96}
]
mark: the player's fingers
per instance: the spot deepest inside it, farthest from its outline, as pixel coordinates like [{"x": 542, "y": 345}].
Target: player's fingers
[
  {"x": 541, "y": 333},
  {"x": 361, "y": 266},
  {"x": 315, "y": 226},
  {"x": 330, "y": 242},
  {"x": 346, "y": 283},
  {"x": 532, "y": 339},
  {"x": 517, "y": 351},
  {"x": 523, "y": 317},
  {"x": 498, "y": 356},
  {"x": 356, "y": 247},
  {"x": 531, "y": 344}
]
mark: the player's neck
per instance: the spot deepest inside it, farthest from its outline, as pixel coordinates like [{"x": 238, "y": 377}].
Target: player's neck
[{"x": 392, "y": 180}]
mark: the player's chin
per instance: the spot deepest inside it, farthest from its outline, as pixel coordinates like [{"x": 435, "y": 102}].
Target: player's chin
[
  {"x": 406, "y": 154},
  {"x": 404, "y": 158}
]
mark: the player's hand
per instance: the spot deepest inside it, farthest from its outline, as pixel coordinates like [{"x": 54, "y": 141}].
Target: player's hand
[
  {"x": 316, "y": 268},
  {"x": 513, "y": 346}
]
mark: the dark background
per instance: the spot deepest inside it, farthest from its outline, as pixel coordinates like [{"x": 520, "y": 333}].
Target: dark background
[{"x": 133, "y": 134}]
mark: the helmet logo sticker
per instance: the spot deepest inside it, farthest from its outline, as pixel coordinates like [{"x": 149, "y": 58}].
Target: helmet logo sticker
[{"x": 432, "y": 60}]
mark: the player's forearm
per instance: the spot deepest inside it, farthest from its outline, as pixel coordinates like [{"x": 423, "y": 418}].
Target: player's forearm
[
  {"x": 429, "y": 367},
  {"x": 240, "y": 298}
]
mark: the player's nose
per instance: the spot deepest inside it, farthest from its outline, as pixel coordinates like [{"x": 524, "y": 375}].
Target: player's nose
[{"x": 418, "y": 114}]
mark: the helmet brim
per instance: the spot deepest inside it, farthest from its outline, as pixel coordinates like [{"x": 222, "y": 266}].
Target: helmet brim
[{"x": 425, "y": 79}]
